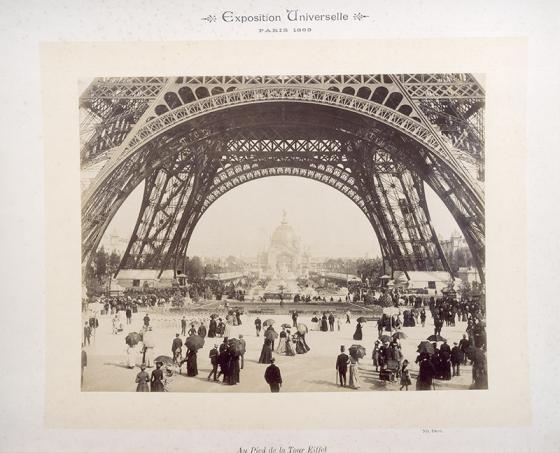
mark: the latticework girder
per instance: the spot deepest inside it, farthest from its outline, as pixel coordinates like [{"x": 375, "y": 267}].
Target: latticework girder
[{"x": 375, "y": 138}]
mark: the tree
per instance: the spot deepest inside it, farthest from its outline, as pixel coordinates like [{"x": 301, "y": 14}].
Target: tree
[
  {"x": 114, "y": 261},
  {"x": 194, "y": 269},
  {"x": 100, "y": 263}
]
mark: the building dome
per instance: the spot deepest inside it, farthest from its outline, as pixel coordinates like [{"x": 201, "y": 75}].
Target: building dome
[{"x": 284, "y": 236}]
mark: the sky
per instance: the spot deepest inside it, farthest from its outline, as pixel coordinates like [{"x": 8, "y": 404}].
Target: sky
[{"x": 241, "y": 222}]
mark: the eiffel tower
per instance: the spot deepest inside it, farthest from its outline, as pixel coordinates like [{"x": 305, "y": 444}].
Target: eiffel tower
[{"x": 379, "y": 139}]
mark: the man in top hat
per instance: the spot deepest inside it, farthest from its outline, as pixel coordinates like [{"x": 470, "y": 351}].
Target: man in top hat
[
  {"x": 342, "y": 366},
  {"x": 273, "y": 377},
  {"x": 445, "y": 349}
]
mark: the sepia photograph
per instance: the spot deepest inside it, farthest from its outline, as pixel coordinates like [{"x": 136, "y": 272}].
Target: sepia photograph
[{"x": 283, "y": 233}]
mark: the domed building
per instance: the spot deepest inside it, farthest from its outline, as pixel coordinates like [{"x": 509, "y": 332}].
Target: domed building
[{"x": 284, "y": 257}]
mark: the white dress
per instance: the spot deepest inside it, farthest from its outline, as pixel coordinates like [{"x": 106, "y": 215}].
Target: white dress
[
  {"x": 131, "y": 357},
  {"x": 354, "y": 376}
]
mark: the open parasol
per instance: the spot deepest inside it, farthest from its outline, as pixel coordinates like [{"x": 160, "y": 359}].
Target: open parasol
[
  {"x": 361, "y": 319},
  {"x": 435, "y": 338},
  {"x": 357, "y": 351},
  {"x": 400, "y": 335},
  {"x": 194, "y": 342},
  {"x": 302, "y": 328},
  {"x": 286, "y": 326},
  {"x": 133, "y": 338},
  {"x": 314, "y": 319},
  {"x": 425, "y": 346},
  {"x": 269, "y": 322},
  {"x": 236, "y": 347},
  {"x": 385, "y": 339},
  {"x": 166, "y": 360}
]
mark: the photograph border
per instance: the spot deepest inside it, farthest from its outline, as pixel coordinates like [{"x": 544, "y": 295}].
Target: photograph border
[{"x": 502, "y": 61}]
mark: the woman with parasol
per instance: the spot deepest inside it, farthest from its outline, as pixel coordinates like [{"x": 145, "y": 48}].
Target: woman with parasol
[
  {"x": 192, "y": 368},
  {"x": 358, "y": 333},
  {"x": 130, "y": 356},
  {"x": 424, "y": 381},
  {"x": 270, "y": 333},
  {"x": 353, "y": 376},
  {"x": 281, "y": 348},
  {"x": 266, "y": 352}
]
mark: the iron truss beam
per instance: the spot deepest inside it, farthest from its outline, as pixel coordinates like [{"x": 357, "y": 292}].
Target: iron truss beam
[
  {"x": 289, "y": 124},
  {"x": 397, "y": 211}
]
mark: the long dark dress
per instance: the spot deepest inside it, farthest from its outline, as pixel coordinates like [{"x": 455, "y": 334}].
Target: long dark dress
[
  {"x": 266, "y": 353},
  {"x": 235, "y": 369},
  {"x": 228, "y": 368},
  {"x": 425, "y": 375},
  {"x": 324, "y": 325},
  {"x": 289, "y": 348},
  {"x": 358, "y": 334},
  {"x": 192, "y": 369},
  {"x": 157, "y": 380},
  {"x": 301, "y": 345},
  {"x": 212, "y": 329},
  {"x": 305, "y": 345}
]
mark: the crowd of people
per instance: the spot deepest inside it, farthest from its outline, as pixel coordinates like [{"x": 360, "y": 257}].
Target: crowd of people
[{"x": 436, "y": 358}]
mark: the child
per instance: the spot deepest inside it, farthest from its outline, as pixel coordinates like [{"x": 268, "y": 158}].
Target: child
[{"x": 405, "y": 376}]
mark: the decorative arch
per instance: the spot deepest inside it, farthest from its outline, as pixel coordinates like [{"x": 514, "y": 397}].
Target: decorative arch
[{"x": 196, "y": 133}]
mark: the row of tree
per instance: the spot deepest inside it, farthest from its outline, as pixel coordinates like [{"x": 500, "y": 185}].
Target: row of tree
[{"x": 371, "y": 269}]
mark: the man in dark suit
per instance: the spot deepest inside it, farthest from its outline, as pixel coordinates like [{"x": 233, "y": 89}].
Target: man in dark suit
[
  {"x": 176, "y": 348},
  {"x": 214, "y": 361},
  {"x": 342, "y": 366},
  {"x": 456, "y": 359},
  {"x": 331, "y": 322},
  {"x": 464, "y": 345},
  {"x": 273, "y": 377},
  {"x": 243, "y": 349}
]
